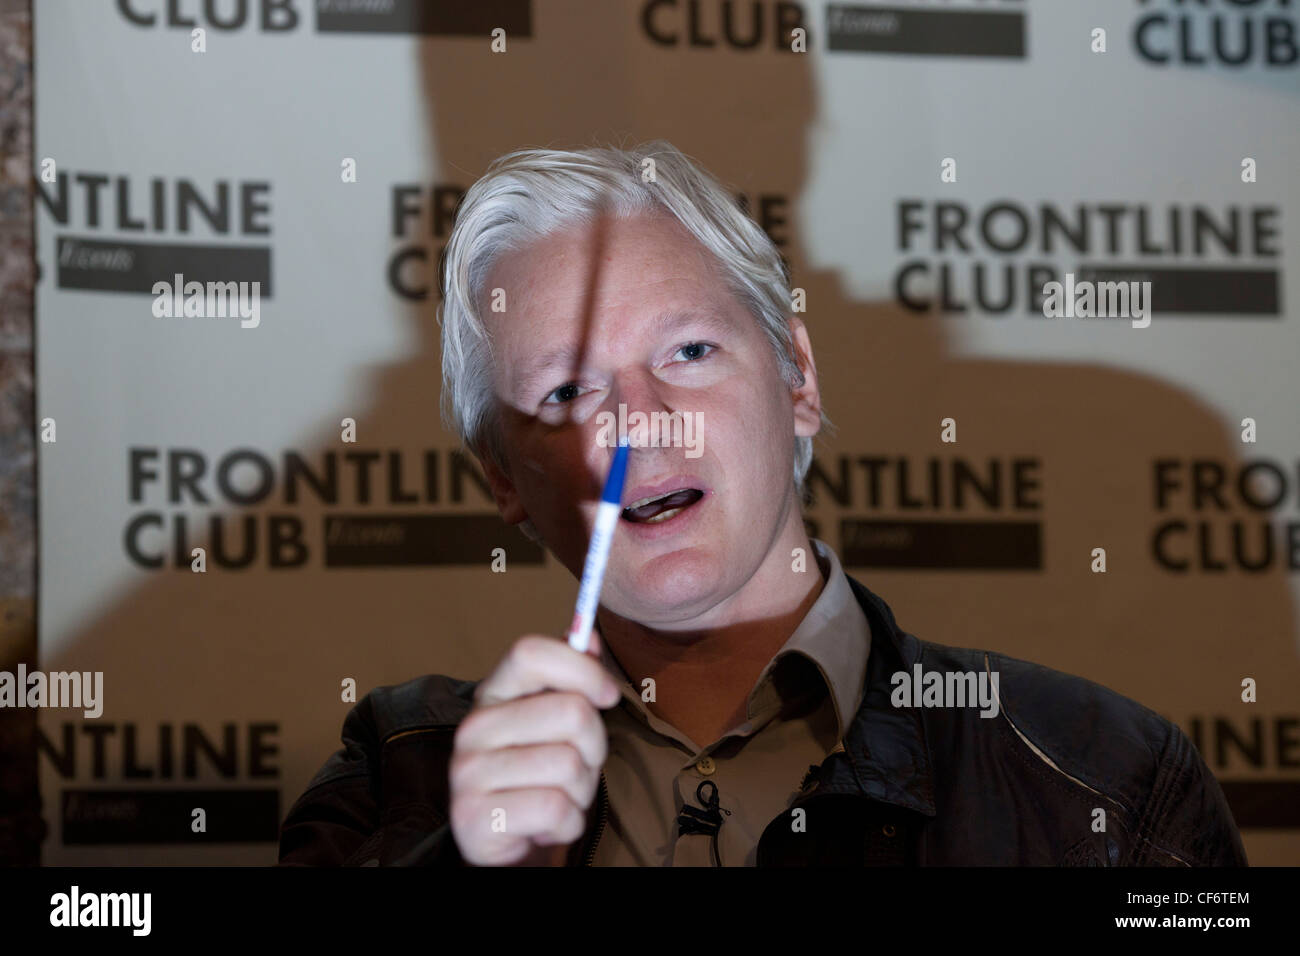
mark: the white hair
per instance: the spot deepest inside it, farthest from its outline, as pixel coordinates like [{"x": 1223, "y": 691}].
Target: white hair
[{"x": 528, "y": 194}]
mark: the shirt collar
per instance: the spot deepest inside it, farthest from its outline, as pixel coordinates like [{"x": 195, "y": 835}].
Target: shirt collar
[{"x": 835, "y": 636}]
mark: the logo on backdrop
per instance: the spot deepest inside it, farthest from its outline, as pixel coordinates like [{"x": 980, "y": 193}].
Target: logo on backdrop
[
  {"x": 123, "y": 788},
  {"x": 933, "y": 28},
  {"x": 962, "y": 28},
  {"x": 1255, "y": 761},
  {"x": 993, "y": 259},
  {"x": 334, "y": 16},
  {"x": 128, "y": 233},
  {"x": 759, "y": 25},
  {"x": 950, "y": 512},
  {"x": 1225, "y": 516},
  {"x": 368, "y": 508},
  {"x": 1226, "y": 34},
  {"x": 421, "y": 219}
]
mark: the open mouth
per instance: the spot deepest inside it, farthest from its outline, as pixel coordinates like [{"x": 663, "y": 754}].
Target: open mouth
[{"x": 662, "y": 507}]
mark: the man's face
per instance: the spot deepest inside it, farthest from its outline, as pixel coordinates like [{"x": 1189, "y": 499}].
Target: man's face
[{"x": 636, "y": 312}]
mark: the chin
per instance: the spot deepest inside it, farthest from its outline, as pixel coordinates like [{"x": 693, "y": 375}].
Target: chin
[{"x": 674, "y": 585}]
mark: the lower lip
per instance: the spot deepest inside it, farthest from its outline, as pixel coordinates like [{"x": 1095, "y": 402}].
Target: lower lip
[{"x": 651, "y": 531}]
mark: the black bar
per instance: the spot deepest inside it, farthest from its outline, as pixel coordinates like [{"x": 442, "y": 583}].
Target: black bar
[
  {"x": 1264, "y": 804},
  {"x": 135, "y": 266},
  {"x": 1253, "y": 292},
  {"x": 97, "y": 817},
  {"x": 246, "y": 906},
  {"x": 983, "y": 545},
  {"x": 935, "y": 32},
  {"x": 401, "y": 541},
  {"x": 446, "y": 18}
]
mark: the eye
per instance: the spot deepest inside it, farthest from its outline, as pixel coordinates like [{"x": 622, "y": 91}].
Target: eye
[
  {"x": 565, "y": 393},
  {"x": 696, "y": 350}
]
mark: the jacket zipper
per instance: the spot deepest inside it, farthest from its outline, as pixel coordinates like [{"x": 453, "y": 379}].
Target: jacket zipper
[{"x": 600, "y": 825}]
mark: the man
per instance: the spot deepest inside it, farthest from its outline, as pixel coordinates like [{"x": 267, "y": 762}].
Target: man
[{"x": 744, "y": 702}]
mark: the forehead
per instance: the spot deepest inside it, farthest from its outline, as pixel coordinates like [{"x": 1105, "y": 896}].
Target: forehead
[
  {"x": 613, "y": 280},
  {"x": 598, "y": 263}
]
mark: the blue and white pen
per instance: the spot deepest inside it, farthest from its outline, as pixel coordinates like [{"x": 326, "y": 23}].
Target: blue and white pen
[{"x": 602, "y": 537}]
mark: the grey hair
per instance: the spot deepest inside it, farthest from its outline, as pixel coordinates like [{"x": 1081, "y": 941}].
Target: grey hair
[{"x": 528, "y": 194}]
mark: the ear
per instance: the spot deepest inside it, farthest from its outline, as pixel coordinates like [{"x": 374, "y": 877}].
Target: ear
[
  {"x": 807, "y": 397},
  {"x": 503, "y": 490}
]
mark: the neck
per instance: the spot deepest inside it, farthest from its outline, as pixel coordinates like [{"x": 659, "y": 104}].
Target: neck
[{"x": 703, "y": 674}]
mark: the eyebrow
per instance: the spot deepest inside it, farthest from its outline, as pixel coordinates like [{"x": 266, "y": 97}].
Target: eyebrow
[{"x": 545, "y": 363}]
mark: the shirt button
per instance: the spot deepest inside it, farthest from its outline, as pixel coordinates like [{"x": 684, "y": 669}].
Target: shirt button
[{"x": 706, "y": 766}]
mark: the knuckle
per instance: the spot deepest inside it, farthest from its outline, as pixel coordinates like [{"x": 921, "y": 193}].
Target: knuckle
[
  {"x": 460, "y": 768},
  {"x": 461, "y": 815},
  {"x": 555, "y": 806},
  {"x": 527, "y": 650},
  {"x": 592, "y": 729},
  {"x": 572, "y": 763},
  {"x": 466, "y": 730},
  {"x": 592, "y": 722},
  {"x": 575, "y": 711},
  {"x": 575, "y": 824},
  {"x": 460, "y": 737}
]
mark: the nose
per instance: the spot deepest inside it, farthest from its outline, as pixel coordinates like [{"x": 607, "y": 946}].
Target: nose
[{"x": 638, "y": 395}]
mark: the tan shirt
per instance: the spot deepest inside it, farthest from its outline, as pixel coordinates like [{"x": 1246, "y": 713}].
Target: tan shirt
[{"x": 798, "y": 712}]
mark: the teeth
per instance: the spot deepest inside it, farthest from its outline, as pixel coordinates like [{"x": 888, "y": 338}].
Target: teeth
[
  {"x": 645, "y": 501},
  {"x": 662, "y": 516}
]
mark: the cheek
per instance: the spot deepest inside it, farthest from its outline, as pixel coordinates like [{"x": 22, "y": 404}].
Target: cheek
[
  {"x": 552, "y": 458},
  {"x": 743, "y": 420},
  {"x": 533, "y": 466},
  {"x": 555, "y": 478},
  {"x": 768, "y": 416},
  {"x": 768, "y": 438}
]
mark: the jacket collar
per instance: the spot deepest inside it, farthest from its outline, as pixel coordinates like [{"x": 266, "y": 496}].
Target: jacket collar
[{"x": 887, "y": 756}]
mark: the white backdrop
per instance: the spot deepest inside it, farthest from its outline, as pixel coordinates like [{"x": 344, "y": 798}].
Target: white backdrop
[{"x": 222, "y": 688}]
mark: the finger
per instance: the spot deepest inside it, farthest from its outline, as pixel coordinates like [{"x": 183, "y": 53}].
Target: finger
[
  {"x": 536, "y": 663},
  {"x": 513, "y": 768},
  {"x": 495, "y": 823},
  {"x": 593, "y": 643},
  {"x": 557, "y": 717}
]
